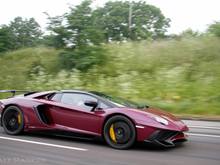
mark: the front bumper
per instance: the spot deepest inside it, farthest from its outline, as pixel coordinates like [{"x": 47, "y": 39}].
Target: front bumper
[{"x": 166, "y": 138}]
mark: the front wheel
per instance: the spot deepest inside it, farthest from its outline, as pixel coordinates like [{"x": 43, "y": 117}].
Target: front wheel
[
  {"x": 13, "y": 120},
  {"x": 119, "y": 132}
]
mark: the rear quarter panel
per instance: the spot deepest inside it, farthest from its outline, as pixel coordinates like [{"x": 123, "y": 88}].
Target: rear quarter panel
[{"x": 26, "y": 105}]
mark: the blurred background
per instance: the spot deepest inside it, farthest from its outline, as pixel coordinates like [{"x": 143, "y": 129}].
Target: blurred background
[{"x": 129, "y": 49}]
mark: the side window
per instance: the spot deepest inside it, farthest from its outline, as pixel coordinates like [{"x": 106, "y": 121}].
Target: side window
[
  {"x": 56, "y": 97},
  {"x": 77, "y": 99},
  {"x": 103, "y": 105}
]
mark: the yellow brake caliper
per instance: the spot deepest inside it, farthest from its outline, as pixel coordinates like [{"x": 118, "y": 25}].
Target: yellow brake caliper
[
  {"x": 112, "y": 133},
  {"x": 19, "y": 118}
]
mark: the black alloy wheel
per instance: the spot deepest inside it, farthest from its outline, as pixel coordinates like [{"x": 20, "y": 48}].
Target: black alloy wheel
[
  {"x": 13, "y": 120},
  {"x": 119, "y": 132}
]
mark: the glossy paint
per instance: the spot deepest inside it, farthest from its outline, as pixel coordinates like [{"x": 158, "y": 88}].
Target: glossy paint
[{"x": 74, "y": 119}]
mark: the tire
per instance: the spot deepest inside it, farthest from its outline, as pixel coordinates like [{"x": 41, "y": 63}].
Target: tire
[
  {"x": 13, "y": 120},
  {"x": 119, "y": 132}
]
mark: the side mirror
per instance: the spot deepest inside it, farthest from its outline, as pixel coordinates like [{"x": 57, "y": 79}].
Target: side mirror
[{"x": 92, "y": 104}]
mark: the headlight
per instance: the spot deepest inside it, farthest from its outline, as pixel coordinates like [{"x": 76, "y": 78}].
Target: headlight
[{"x": 161, "y": 120}]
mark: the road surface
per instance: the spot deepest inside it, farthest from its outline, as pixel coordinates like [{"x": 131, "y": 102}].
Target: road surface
[{"x": 203, "y": 148}]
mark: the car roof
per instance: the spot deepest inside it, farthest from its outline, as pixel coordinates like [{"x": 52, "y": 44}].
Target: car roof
[
  {"x": 74, "y": 90},
  {"x": 93, "y": 93},
  {"x": 37, "y": 94}
]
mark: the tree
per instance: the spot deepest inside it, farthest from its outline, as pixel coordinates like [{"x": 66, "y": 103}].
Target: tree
[
  {"x": 19, "y": 33},
  {"x": 215, "y": 29},
  {"x": 5, "y": 38},
  {"x": 117, "y": 21},
  {"x": 80, "y": 37},
  {"x": 146, "y": 21},
  {"x": 59, "y": 33},
  {"x": 76, "y": 28},
  {"x": 83, "y": 57},
  {"x": 82, "y": 26},
  {"x": 189, "y": 33},
  {"x": 26, "y": 33},
  {"x": 83, "y": 29}
]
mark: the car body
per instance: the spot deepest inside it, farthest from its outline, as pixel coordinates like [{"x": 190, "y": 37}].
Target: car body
[{"x": 119, "y": 122}]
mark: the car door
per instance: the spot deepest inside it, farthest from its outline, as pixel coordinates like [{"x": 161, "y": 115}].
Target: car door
[{"x": 74, "y": 115}]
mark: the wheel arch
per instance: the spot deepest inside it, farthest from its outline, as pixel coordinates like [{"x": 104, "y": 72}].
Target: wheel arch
[
  {"x": 117, "y": 114},
  {"x": 8, "y": 105}
]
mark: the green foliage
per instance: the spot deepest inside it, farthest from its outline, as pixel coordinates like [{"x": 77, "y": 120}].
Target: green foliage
[
  {"x": 147, "y": 21},
  {"x": 5, "y": 39},
  {"x": 26, "y": 33},
  {"x": 85, "y": 26},
  {"x": 81, "y": 38},
  {"x": 181, "y": 76},
  {"x": 81, "y": 24},
  {"x": 86, "y": 29},
  {"x": 16, "y": 66},
  {"x": 19, "y": 34},
  {"x": 83, "y": 57},
  {"x": 215, "y": 29},
  {"x": 189, "y": 33},
  {"x": 79, "y": 29},
  {"x": 59, "y": 34}
]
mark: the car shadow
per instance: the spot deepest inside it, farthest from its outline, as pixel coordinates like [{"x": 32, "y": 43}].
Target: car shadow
[
  {"x": 152, "y": 147},
  {"x": 139, "y": 146}
]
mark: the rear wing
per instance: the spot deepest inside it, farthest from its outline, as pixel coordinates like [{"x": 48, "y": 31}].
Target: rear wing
[{"x": 13, "y": 92}]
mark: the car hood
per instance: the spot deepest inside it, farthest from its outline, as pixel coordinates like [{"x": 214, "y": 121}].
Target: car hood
[
  {"x": 174, "y": 122},
  {"x": 161, "y": 113}
]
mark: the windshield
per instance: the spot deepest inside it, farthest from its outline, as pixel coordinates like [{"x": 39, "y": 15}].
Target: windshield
[{"x": 120, "y": 102}]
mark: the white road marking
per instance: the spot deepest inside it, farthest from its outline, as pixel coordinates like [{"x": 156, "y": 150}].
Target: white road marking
[
  {"x": 203, "y": 135},
  {"x": 204, "y": 127},
  {"x": 44, "y": 144}
]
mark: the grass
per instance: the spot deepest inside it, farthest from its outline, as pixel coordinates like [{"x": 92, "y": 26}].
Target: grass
[
  {"x": 16, "y": 66},
  {"x": 181, "y": 76}
]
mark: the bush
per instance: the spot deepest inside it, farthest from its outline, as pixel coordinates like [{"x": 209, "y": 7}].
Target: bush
[
  {"x": 83, "y": 57},
  {"x": 180, "y": 76},
  {"x": 215, "y": 29}
]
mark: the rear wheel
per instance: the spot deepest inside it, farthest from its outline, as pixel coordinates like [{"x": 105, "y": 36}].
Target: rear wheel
[
  {"x": 13, "y": 120},
  {"x": 119, "y": 132}
]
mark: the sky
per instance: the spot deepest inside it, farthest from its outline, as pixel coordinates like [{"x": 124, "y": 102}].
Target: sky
[{"x": 184, "y": 14}]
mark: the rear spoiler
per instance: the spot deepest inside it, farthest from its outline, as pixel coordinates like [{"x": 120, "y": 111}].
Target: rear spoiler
[{"x": 13, "y": 92}]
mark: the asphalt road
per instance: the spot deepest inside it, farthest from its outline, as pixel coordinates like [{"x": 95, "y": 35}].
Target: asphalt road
[{"x": 203, "y": 148}]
